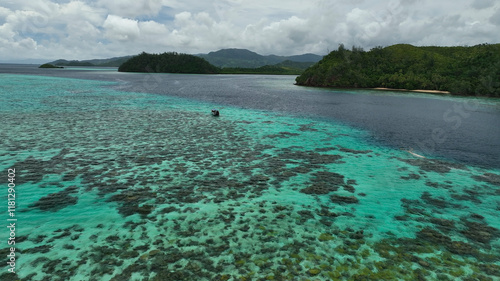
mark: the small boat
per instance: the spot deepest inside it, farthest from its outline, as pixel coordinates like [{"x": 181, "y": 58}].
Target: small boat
[{"x": 215, "y": 112}]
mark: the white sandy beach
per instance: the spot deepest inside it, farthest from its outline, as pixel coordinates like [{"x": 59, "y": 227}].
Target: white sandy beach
[{"x": 420, "y": 91}]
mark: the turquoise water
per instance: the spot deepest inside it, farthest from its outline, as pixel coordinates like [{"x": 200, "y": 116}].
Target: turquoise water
[{"x": 117, "y": 185}]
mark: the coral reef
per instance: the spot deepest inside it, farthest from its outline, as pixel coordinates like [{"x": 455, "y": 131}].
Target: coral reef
[{"x": 125, "y": 186}]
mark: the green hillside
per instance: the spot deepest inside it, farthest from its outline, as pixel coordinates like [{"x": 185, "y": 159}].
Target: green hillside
[
  {"x": 243, "y": 58},
  {"x": 111, "y": 62},
  {"x": 183, "y": 63},
  {"x": 283, "y": 68},
  {"x": 62, "y": 62},
  {"x": 48, "y": 65},
  {"x": 168, "y": 63},
  {"x": 459, "y": 70},
  {"x": 238, "y": 60}
]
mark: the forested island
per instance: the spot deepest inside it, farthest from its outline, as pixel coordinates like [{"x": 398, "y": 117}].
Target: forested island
[
  {"x": 284, "y": 68},
  {"x": 173, "y": 62},
  {"x": 48, "y": 65},
  {"x": 228, "y": 60},
  {"x": 246, "y": 59},
  {"x": 111, "y": 62},
  {"x": 458, "y": 70}
]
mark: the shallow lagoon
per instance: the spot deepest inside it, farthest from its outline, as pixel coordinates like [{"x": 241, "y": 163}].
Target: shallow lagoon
[{"x": 114, "y": 184}]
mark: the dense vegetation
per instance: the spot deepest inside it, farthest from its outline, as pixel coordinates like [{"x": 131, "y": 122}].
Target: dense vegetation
[
  {"x": 168, "y": 63},
  {"x": 230, "y": 58},
  {"x": 183, "y": 63},
  {"x": 73, "y": 63},
  {"x": 459, "y": 70},
  {"x": 283, "y": 68},
  {"x": 266, "y": 69},
  {"x": 243, "y": 58},
  {"x": 48, "y": 65},
  {"x": 111, "y": 62}
]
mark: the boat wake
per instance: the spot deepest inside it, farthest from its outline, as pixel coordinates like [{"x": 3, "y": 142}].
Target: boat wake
[{"x": 413, "y": 153}]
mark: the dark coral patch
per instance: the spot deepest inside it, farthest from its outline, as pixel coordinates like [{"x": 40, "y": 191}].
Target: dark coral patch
[
  {"x": 39, "y": 249},
  {"x": 70, "y": 176},
  {"x": 433, "y": 236},
  {"x": 480, "y": 232},
  {"x": 443, "y": 224},
  {"x": 305, "y": 215},
  {"x": 310, "y": 156},
  {"x": 430, "y": 165},
  {"x": 438, "y": 185},
  {"x": 324, "y": 212},
  {"x": 462, "y": 248},
  {"x": 325, "y": 182},
  {"x": 130, "y": 202},
  {"x": 489, "y": 178},
  {"x": 307, "y": 128},
  {"x": 282, "y": 135},
  {"x": 344, "y": 199},
  {"x": 455, "y": 247},
  {"x": 319, "y": 188},
  {"x": 353, "y": 151},
  {"x": 33, "y": 170},
  {"x": 469, "y": 195},
  {"x": 439, "y": 202},
  {"x": 325, "y": 149},
  {"x": 411, "y": 176},
  {"x": 57, "y": 201},
  {"x": 8, "y": 276}
]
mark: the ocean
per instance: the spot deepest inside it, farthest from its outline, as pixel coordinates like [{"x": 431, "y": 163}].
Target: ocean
[{"x": 127, "y": 176}]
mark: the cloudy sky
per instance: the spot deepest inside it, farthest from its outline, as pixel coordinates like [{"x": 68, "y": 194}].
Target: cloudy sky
[{"x": 84, "y": 29}]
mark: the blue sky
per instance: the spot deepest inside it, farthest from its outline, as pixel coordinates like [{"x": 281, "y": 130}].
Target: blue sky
[{"x": 53, "y": 29}]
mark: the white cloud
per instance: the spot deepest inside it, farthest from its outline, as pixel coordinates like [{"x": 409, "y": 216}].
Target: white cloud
[
  {"x": 152, "y": 28},
  {"x": 495, "y": 18},
  {"x": 4, "y": 12},
  {"x": 183, "y": 19},
  {"x": 482, "y": 4},
  {"x": 265, "y": 35},
  {"x": 132, "y": 8},
  {"x": 7, "y": 32},
  {"x": 85, "y": 29},
  {"x": 79, "y": 11},
  {"x": 195, "y": 32},
  {"x": 121, "y": 29}
]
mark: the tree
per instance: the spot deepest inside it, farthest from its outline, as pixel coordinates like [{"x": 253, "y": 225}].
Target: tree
[{"x": 460, "y": 70}]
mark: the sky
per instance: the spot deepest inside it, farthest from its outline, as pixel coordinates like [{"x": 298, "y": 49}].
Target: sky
[{"x": 71, "y": 29}]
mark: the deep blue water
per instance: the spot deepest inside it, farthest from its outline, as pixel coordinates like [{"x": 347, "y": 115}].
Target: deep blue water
[{"x": 463, "y": 129}]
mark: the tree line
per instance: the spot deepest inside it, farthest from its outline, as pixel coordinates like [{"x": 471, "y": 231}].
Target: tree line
[
  {"x": 460, "y": 70},
  {"x": 170, "y": 62},
  {"x": 173, "y": 62}
]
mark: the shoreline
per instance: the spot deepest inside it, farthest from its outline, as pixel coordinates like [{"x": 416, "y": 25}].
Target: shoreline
[
  {"x": 432, "y": 92},
  {"x": 437, "y": 92},
  {"x": 417, "y": 91}
]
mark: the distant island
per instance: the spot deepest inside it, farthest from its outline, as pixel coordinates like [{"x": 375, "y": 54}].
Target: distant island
[
  {"x": 48, "y": 65},
  {"x": 243, "y": 58},
  {"x": 458, "y": 70},
  {"x": 111, "y": 62},
  {"x": 228, "y": 61},
  {"x": 173, "y": 62}
]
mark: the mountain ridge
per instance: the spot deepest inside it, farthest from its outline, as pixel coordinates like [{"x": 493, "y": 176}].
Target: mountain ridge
[
  {"x": 109, "y": 62},
  {"x": 232, "y": 57}
]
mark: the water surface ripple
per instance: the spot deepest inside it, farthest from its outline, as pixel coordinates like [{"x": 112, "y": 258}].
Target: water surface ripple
[{"x": 123, "y": 176}]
